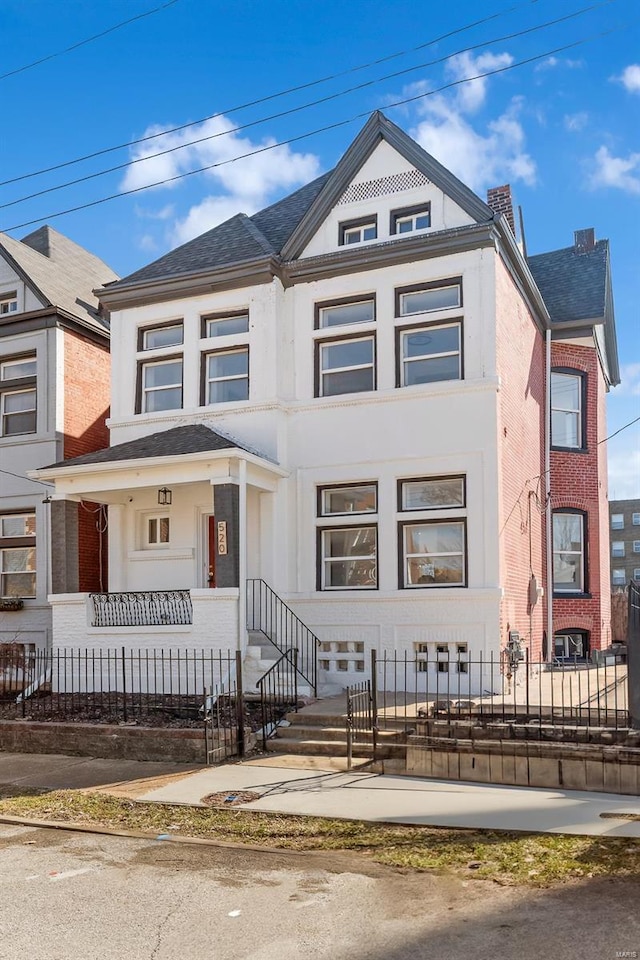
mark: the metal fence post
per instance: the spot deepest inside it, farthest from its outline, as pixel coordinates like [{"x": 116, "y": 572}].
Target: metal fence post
[
  {"x": 239, "y": 704},
  {"x": 374, "y": 701},
  {"x": 633, "y": 655},
  {"x": 124, "y": 686}
]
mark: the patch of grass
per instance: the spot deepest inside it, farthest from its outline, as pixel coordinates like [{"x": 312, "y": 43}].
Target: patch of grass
[{"x": 509, "y": 858}]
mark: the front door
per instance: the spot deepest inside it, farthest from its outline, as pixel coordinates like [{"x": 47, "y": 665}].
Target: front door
[{"x": 211, "y": 552}]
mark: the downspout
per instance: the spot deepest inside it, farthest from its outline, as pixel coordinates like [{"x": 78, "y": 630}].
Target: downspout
[
  {"x": 547, "y": 497},
  {"x": 242, "y": 554}
]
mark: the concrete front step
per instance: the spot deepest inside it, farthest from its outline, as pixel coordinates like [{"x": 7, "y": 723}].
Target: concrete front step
[
  {"x": 334, "y": 748},
  {"x": 298, "y": 731}
]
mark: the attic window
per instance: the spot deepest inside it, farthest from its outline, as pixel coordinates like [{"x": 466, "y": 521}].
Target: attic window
[
  {"x": 410, "y": 219},
  {"x": 356, "y": 231},
  {"x": 8, "y": 303}
]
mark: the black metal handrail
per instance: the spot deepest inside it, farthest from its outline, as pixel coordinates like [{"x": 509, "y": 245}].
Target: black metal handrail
[
  {"x": 142, "y": 608},
  {"x": 270, "y": 615},
  {"x": 278, "y": 692},
  {"x": 360, "y": 719}
]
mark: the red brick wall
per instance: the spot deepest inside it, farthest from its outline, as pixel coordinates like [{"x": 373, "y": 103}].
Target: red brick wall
[
  {"x": 86, "y": 407},
  {"x": 520, "y": 366},
  {"x": 579, "y": 480}
]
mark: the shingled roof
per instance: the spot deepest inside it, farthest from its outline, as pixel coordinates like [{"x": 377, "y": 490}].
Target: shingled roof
[
  {"x": 573, "y": 285},
  {"x": 239, "y": 239},
  {"x": 190, "y": 438},
  {"x": 60, "y": 272}
]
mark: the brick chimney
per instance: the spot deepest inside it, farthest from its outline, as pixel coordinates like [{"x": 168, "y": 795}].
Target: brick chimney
[
  {"x": 499, "y": 199},
  {"x": 584, "y": 240}
]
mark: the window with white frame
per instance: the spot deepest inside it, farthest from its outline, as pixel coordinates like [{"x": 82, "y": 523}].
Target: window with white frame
[
  {"x": 636, "y": 573},
  {"x": 347, "y": 553},
  {"x": 160, "y": 385},
  {"x": 410, "y": 219},
  {"x": 431, "y": 493},
  {"x": 566, "y": 410},
  {"x": 163, "y": 335},
  {"x": 635, "y": 519},
  {"x": 157, "y": 531},
  {"x": 568, "y": 552},
  {"x": 617, "y": 548},
  {"x": 356, "y": 231},
  {"x": 428, "y": 297},
  {"x": 343, "y": 312},
  {"x": 636, "y": 546},
  {"x": 226, "y": 325},
  {"x": 428, "y": 354},
  {"x": 8, "y": 303},
  {"x": 432, "y": 552},
  {"x": 617, "y": 521},
  {"x": 346, "y": 365},
  {"x": 18, "y": 555},
  {"x": 226, "y": 375},
  {"x": 618, "y": 578},
  {"x": 18, "y": 395}
]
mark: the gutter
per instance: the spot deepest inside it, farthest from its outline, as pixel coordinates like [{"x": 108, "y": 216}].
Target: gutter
[{"x": 547, "y": 496}]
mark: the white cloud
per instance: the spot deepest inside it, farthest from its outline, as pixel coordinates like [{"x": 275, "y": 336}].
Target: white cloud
[
  {"x": 630, "y": 78},
  {"x": 552, "y": 62},
  {"x": 618, "y": 172},
  {"x": 164, "y": 213},
  {"x": 472, "y": 94},
  {"x": 574, "y": 122},
  {"x": 240, "y": 184},
  {"x": 479, "y": 160},
  {"x": 147, "y": 243}
]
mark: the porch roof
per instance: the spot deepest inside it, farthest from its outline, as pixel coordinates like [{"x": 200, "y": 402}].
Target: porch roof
[{"x": 189, "y": 438}]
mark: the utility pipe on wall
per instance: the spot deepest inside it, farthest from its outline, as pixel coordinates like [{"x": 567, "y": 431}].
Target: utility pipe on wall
[{"x": 547, "y": 498}]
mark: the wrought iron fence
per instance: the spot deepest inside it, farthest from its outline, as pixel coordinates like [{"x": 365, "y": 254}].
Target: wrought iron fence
[
  {"x": 495, "y": 688},
  {"x": 178, "y": 688},
  {"x": 278, "y": 693},
  {"x": 633, "y": 652},
  {"x": 269, "y": 614},
  {"x": 361, "y": 726},
  {"x": 141, "y": 608}
]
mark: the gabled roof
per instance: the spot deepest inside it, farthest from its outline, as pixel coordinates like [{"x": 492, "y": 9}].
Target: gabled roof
[
  {"x": 240, "y": 239},
  {"x": 378, "y": 128},
  {"x": 59, "y": 272},
  {"x": 573, "y": 285},
  {"x": 190, "y": 438}
]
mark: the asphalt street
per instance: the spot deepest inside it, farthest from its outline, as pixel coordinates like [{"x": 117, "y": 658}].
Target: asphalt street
[{"x": 71, "y": 896}]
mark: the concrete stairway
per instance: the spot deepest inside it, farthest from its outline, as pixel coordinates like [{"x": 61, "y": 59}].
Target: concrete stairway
[{"x": 318, "y": 732}]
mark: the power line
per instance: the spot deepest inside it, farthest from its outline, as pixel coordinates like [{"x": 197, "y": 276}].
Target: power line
[
  {"x": 299, "y": 108},
  {"x": 273, "y": 96},
  {"x": 304, "y": 136},
  {"x": 21, "y": 476},
  {"x": 82, "y": 43},
  {"x": 610, "y": 437}
]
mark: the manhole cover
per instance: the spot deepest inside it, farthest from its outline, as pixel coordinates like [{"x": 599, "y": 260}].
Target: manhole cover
[{"x": 230, "y": 798}]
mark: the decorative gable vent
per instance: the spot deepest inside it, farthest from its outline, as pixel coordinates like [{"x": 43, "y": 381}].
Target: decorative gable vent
[{"x": 394, "y": 183}]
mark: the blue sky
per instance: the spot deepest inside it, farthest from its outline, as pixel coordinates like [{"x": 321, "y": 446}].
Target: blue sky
[{"x": 563, "y": 130}]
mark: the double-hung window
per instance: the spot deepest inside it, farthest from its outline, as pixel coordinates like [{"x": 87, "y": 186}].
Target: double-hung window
[
  {"x": 18, "y": 554},
  {"x": 635, "y": 519},
  {"x": 18, "y": 396},
  {"x": 345, "y": 365},
  {"x": 225, "y": 325},
  {"x": 617, "y": 521},
  {"x": 617, "y": 548},
  {"x": 432, "y": 550},
  {"x": 569, "y": 567},
  {"x": 226, "y": 375},
  {"x": 160, "y": 369},
  {"x": 636, "y": 546},
  {"x": 567, "y": 429},
  {"x": 428, "y": 351},
  {"x": 347, "y": 537},
  {"x": 618, "y": 578}
]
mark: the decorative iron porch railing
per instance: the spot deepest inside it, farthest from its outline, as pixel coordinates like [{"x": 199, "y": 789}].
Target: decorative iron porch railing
[
  {"x": 270, "y": 615},
  {"x": 141, "y": 608}
]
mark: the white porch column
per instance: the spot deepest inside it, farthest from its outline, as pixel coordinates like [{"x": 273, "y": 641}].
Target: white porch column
[{"x": 242, "y": 555}]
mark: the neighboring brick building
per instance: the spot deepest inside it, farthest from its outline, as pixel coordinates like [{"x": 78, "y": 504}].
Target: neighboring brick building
[
  {"x": 575, "y": 283},
  {"x": 54, "y": 397},
  {"x": 624, "y": 516}
]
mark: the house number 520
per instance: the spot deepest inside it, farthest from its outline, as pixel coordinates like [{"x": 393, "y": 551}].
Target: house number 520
[{"x": 222, "y": 537}]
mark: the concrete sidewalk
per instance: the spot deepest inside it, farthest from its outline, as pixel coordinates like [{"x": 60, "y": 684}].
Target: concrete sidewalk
[{"x": 320, "y": 786}]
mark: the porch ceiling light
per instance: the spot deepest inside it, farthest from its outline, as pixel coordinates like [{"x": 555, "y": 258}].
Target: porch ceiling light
[{"x": 165, "y": 497}]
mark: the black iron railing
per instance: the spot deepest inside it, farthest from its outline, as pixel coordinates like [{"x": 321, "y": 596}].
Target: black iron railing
[
  {"x": 360, "y": 721},
  {"x": 141, "y": 608},
  {"x": 633, "y": 652},
  {"x": 271, "y": 616},
  {"x": 486, "y": 689},
  {"x": 278, "y": 693}
]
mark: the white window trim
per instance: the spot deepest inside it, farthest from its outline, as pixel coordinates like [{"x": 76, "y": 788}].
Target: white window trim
[
  {"x": 144, "y": 331},
  {"x": 406, "y": 556},
  {"x": 4, "y": 415},
  {"x": 217, "y": 337},
  {"x": 334, "y": 488},
  {"x": 8, "y": 543},
  {"x": 635, "y": 519},
  {"x": 617, "y": 548},
  {"x": 412, "y": 219},
  {"x": 349, "y": 324},
  {"x": 457, "y": 285},
  {"x": 360, "y": 229},
  {"x": 618, "y": 577},
  {"x": 325, "y": 562},
  {"x": 615, "y": 523},
  {"x": 580, "y": 588},
  {"x": 9, "y": 300},
  {"x": 569, "y": 411},
  {"x": 636, "y": 546},
  {"x": 146, "y": 391}
]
